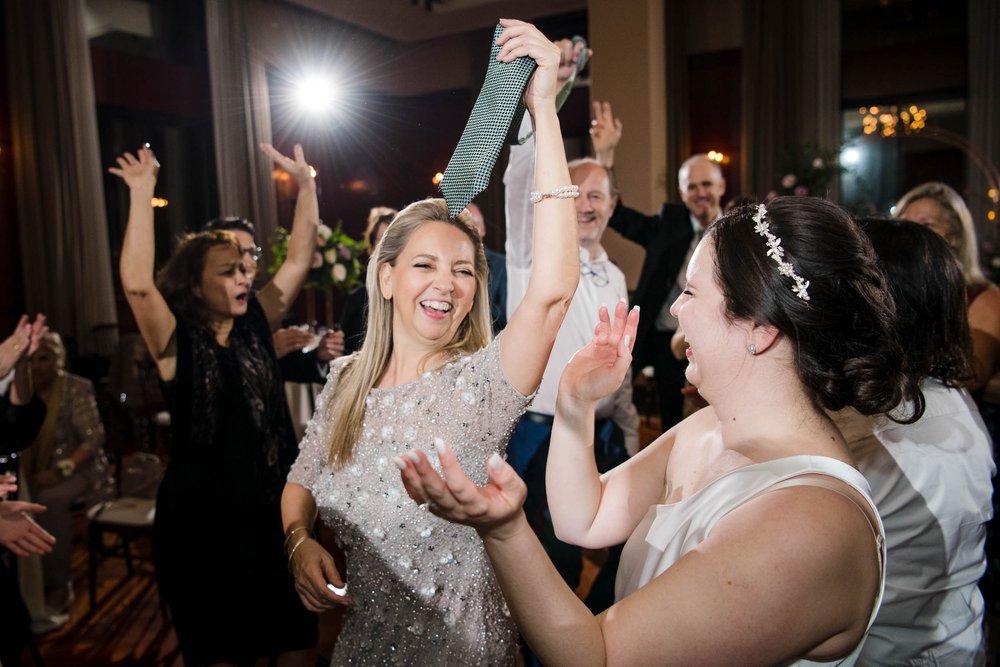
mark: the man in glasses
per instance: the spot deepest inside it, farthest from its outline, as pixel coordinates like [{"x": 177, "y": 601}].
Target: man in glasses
[{"x": 296, "y": 365}]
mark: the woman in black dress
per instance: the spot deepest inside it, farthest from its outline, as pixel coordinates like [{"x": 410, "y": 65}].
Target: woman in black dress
[{"x": 218, "y": 535}]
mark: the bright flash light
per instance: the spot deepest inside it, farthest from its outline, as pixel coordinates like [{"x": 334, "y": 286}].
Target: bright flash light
[
  {"x": 438, "y": 177},
  {"x": 850, "y": 156},
  {"x": 315, "y": 94}
]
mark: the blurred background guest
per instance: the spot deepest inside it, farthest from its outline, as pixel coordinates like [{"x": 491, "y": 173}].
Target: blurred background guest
[{"x": 65, "y": 463}]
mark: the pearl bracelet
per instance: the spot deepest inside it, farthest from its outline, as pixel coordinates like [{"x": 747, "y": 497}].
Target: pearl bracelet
[{"x": 562, "y": 192}]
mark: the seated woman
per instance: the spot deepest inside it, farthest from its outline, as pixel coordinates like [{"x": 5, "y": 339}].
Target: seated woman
[
  {"x": 65, "y": 464},
  {"x": 930, "y": 479},
  {"x": 752, "y": 539}
]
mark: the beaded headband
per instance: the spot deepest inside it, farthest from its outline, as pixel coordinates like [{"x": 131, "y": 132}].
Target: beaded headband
[{"x": 777, "y": 253}]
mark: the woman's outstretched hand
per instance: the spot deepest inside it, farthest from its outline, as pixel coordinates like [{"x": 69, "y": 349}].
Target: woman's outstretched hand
[
  {"x": 137, "y": 171},
  {"x": 523, "y": 39},
  {"x": 598, "y": 368},
  {"x": 488, "y": 509},
  {"x": 296, "y": 166}
]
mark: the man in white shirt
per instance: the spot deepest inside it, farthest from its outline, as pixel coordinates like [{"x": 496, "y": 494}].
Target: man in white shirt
[{"x": 601, "y": 282}]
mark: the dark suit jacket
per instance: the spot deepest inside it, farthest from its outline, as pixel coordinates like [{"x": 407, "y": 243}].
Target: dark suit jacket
[
  {"x": 497, "y": 287},
  {"x": 666, "y": 238}
]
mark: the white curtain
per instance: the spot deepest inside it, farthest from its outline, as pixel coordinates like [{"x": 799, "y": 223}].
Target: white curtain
[{"x": 58, "y": 172}]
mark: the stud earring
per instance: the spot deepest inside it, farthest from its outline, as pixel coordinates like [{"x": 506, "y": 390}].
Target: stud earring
[{"x": 752, "y": 349}]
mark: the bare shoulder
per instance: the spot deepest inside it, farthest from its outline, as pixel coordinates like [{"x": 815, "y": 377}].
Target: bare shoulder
[{"x": 821, "y": 544}]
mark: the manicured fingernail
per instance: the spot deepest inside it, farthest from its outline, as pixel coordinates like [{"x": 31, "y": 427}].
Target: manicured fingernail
[
  {"x": 412, "y": 455},
  {"x": 495, "y": 461},
  {"x": 636, "y": 308},
  {"x": 439, "y": 446},
  {"x": 627, "y": 340},
  {"x": 399, "y": 463},
  {"x": 622, "y": 300}
]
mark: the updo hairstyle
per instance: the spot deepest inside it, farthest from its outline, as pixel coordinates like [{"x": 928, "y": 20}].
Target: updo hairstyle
[{"x": 843, "y": 336}]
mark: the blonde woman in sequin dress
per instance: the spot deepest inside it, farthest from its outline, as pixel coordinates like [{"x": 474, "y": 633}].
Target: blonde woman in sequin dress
[{"x": 421, "y": 590}]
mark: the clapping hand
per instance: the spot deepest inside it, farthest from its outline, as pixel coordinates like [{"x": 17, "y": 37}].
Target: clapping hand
[
  {"x": 297, "y": 166},
  {"x": 19, "y": 532},
  {"x": 137, "y": 171},
  {"x": 598, "y": 368},
  {"x": 8, "y": 484},
  {"x": 454, "y": 497},
  {"x": 331, "y": 346},
  {"x": 290, "y": 339},
  {"x": 21, "y": 344}
]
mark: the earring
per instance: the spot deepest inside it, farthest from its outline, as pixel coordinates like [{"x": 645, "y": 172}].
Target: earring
[{"x": 752, "y": 349}]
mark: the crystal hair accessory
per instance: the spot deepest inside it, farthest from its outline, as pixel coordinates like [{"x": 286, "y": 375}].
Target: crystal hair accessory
[{"x": 777, "y": 253}]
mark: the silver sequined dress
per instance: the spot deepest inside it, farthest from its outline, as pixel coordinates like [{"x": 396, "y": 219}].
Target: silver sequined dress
[{"x": 424, "y": 591}]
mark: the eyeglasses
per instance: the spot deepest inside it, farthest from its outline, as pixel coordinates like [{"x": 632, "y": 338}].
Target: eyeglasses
[
  {"x": 598, "y": 273},
  {"x": 255, "y": 252}
]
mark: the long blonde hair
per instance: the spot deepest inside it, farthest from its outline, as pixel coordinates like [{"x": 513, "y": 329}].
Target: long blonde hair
[
  {"x": 346, "y": 410},
  {"x": 958, "y": 218}
]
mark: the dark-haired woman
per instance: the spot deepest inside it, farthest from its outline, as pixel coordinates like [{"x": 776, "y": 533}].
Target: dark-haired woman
[
  {"x": 930, "y": 479},
  {"x": 218, "y": 536},
  {"x": 752, "y": 539}
]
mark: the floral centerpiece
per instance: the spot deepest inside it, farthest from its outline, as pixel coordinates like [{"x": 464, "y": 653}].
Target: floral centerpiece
[
  {"x": 807, "y": 171},
  {"x": 336, "y": 261}
]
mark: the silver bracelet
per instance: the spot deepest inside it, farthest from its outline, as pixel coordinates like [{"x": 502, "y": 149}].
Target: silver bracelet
[
  {"x": 562, "y": 192},
  {"x": 292, "y": 532},
  {"x": 292, "y": 552}
]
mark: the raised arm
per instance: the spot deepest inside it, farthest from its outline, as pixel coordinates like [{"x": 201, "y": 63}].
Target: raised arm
[
  {"x": 277, "y": 296},
  {"x": 589, "y": 509},
  {"x": 605, "y": 133},
  {"x": 157, "y": 323},
  {"x": 555, "y": 269}
]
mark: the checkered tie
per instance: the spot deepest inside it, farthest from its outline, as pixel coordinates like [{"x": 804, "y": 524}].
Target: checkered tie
[{"x": 497, "y": 110}]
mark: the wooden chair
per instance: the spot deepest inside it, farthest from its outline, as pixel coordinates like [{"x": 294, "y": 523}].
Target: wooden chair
[{"x": 136, "y": 425}]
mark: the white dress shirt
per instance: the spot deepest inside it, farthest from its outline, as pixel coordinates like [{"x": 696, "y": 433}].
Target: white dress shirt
[{"x": 601, "y": 282}]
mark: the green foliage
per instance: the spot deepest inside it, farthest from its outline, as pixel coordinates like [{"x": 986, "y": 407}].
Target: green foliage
[
  {"x": 807, "y": 171},
  {"x": 336, "y": 259}
]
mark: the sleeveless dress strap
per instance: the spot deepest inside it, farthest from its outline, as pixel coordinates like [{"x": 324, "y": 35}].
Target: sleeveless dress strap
[{"x": 837, "y": 486}]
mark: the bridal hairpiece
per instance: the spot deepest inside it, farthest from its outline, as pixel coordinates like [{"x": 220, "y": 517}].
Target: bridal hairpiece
[{"x": 777, "y": 253}]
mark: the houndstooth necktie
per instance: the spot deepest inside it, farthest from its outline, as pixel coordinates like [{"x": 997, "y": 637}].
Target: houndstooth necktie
[{"x": 497, "y": 109}]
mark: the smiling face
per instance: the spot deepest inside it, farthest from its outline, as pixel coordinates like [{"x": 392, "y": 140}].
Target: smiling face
[
  {"x": 701, "y": 188},
  {"x": 432, "y": 284},
  {"x": 225, "y": 284},
  {"x": 595, "y": 204},
  {"x": 716, "y": 344}
]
